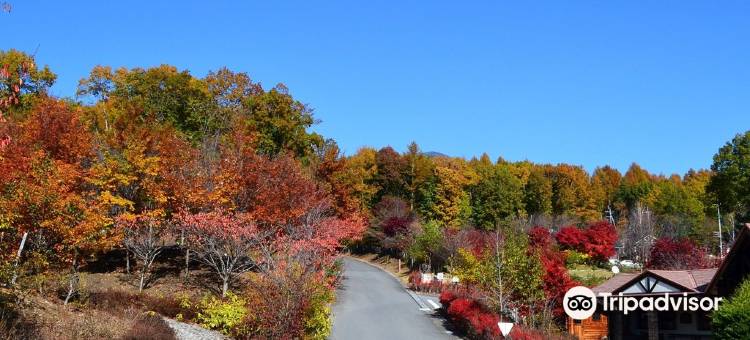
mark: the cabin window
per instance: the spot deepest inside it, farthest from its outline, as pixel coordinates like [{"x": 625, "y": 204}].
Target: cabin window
[
  {"x": 576, "y": 322},
  {"x": 686, "y": 318}
]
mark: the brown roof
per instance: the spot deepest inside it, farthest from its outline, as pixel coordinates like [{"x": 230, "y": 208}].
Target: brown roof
[
  {"x": 613, "y": 283},
  {"x": 693, "y": 280}
]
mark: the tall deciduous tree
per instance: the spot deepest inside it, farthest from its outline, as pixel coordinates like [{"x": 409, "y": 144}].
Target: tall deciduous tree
[
  {"x": 731, "y": 181},
  {"x": 496, "y": 196}
]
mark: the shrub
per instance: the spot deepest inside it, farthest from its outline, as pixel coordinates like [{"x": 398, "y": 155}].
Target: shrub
[
  {"x": 222, "y": 314},
  {"x": 318, "y": 316},
  {"x": 469, "y": 317},
  {"x": 150, "y": 327},
  {"x": 117, "y": 301},
  {"x": 539, "y": 237},
  {"x": 732, "y": 319},
  {"x": 446, "y": 297},
  {"x": 677, "y": 254},
  {"x": 573, "y": 258}
]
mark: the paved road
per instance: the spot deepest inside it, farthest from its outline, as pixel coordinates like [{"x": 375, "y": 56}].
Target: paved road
[{"x": 371, "y": 304}]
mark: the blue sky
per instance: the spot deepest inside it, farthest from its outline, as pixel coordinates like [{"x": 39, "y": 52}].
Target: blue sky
[{"x": 661, "y": 83}]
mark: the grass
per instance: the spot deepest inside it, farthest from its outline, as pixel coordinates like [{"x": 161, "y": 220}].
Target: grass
[{"x": 589, "y": 275}]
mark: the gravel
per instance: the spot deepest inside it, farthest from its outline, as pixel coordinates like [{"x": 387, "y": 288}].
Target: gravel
[{"x": 186, "y": 331}]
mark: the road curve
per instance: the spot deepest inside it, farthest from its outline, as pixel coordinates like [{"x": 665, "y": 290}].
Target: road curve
[{"x": 371, "y": 304}]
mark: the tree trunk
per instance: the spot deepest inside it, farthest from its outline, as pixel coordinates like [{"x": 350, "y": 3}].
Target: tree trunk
[
  {"x": 18, "y": 259},
  {"x": 187, "y": 263},
  {"x": 225, "y": 286},
  {"x": 143, "y": 276},
  {"x": 127, "y": 261},
  {"x": 72, "y": 281}
]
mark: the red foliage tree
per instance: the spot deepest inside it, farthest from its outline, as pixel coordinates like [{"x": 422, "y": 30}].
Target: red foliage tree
[
  {"x": 677, "y": 254},
  {"x": 597, "y": 240},
  {"x": 571, "y": 237},
  {"x": 555, "y": 279},
  {"x": 223, "y": 242},
  {"x": 602, "y": 237}
]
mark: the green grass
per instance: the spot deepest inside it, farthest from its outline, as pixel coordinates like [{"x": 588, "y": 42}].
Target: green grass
[{"x": 589, "y": 275}]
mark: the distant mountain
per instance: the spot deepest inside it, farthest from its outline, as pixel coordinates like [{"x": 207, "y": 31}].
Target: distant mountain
[{"x": 434, "y": 154}]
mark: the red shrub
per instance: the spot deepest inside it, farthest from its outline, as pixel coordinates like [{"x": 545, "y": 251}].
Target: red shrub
[
  {"x": 677, "y": 254},
  {"x": 571, "y": 237},
  {"x": 539, "y": 237},
  {"x": 521, "y": 333},
  {"x": 488, "y": 324},
  {"x": 446, "y": 297}
]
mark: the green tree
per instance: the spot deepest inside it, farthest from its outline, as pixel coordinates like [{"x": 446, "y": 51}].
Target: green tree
[
  {"x": 20, "y": 74},
  {"x": 732, "y": 319},
  {"x": 538, "y": 193},
  {"x": 731, "y": 181},
  {"x": 419, "y": 173},
  {"x": 496, "y": 196},
  {"x": 635, "y": 186},
  {"x": 281, "y": 122}
]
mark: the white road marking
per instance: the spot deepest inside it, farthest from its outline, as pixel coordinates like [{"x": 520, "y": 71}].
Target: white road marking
[
  {"x": 435, "y": 305},
  {"x": 425, "y": 309}
]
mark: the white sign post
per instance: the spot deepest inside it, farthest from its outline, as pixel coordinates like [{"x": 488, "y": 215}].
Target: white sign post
[{"x": 505, "y": 328}]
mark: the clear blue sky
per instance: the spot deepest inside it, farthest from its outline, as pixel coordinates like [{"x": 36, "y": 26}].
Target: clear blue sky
[{"x": 662, "y": 83}]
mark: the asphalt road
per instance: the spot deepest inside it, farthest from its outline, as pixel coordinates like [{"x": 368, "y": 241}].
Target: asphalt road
[{"x": 371, "y": 304}]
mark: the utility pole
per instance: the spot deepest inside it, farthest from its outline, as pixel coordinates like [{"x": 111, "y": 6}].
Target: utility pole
[
  {"x": 721, "y": 243},
  {"x": 610, "y": 216}
]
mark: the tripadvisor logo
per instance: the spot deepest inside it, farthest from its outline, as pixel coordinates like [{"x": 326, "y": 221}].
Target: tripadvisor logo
[{"x": 580, "y": 303}]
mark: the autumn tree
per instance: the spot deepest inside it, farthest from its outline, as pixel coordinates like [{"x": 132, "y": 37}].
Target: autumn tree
[
  {"x": 538, "y": 193},
  {"x": 223, "y": 241},
  {"x": 391, "y": 174},
  {"x": 677, "y": 254},
  {"x": 143, "y": 235},
  {"x": 21, "y": 81},
  {"x": 635, "y": 186},
  {"x": 452, "y": 205},
  {"x": 571, "y": 192},
  {"x": 359, "y": 175},
  {"x": 605, "y": 181},
  {"x": 46, "y": 194}
]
